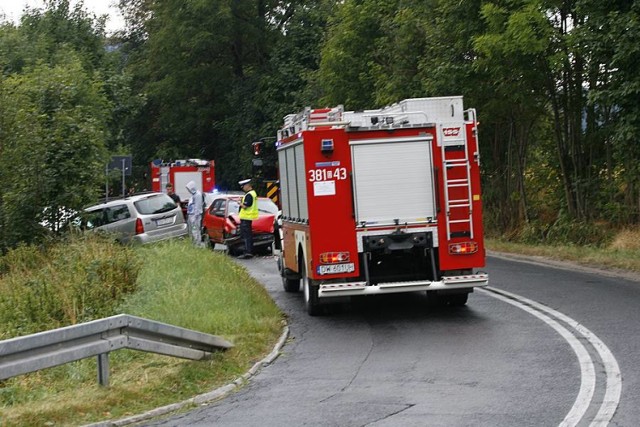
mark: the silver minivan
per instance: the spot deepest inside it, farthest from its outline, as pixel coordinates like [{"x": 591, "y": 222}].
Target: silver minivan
[{"x": 142, "y": 218}]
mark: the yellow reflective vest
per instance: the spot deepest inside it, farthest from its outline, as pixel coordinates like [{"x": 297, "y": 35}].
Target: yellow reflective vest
[{"x": 252, "y": 211}]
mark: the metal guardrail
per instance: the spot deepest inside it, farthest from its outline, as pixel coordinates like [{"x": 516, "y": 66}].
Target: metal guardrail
[{"x": 97, "y": 338}]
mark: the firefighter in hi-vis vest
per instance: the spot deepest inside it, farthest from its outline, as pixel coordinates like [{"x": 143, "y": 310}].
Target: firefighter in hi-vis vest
[{"x": 248, "y": 212}]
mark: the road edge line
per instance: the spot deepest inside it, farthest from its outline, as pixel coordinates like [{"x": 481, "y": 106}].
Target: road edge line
[{"x": 587, "y": 368}]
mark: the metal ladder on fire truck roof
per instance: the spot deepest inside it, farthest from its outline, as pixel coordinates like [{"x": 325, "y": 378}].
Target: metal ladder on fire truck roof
[
  {"x": 308, "y": 118},
  {"x": 451, "y": 147}
]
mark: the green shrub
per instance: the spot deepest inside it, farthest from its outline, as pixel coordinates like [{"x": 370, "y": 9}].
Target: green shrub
[
  {"x": 533, "y": 232},
  {"x": 78, "y": 280},
  {"x": 563, "y": 231},
  {"x": 582, "y": 233},
  {"x": 22, "y": 259}
]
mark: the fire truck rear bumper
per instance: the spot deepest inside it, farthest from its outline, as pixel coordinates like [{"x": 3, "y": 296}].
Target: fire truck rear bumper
[{"x": 330, "y": 290}]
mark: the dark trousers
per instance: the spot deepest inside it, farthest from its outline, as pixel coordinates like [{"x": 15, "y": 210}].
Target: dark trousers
[{"x": 247, "y": 235}]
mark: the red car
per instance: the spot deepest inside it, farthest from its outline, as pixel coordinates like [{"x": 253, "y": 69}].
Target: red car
[{"x": 221, "y": 223}]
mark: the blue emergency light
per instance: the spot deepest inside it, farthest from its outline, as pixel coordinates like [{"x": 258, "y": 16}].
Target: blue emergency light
[{"x": 326, "y": 146}]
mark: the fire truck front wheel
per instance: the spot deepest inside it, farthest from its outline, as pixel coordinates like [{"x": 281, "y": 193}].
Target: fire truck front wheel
[
  {"x": 458, "y": 300},
  {"x": 311, "y": 302},
  {"x": 289, "y": 285}
]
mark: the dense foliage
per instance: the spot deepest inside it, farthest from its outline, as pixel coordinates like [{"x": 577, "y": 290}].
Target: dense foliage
[
  {"x": 70, "y": 282},
  {"x": 60, "y": 91},
  {"x": 554, "y": 83}
]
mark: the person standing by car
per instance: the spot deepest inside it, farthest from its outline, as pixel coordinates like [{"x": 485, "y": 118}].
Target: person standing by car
[
  {"x": 172, "y": 194},
  {"x": 195, "y": 209},
  {"x": 175, "y": 198},
  {"x": 248, "y": 212}
]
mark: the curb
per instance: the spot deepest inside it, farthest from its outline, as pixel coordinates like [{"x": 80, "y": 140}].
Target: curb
[{"x": 202, "y": 398}]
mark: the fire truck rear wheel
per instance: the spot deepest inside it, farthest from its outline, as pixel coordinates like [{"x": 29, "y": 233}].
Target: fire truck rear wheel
[
  {"x": 435, "y": 300},
  {"x": 458, "y": 300},
  {"x": 455, "y": 300},
  {"x": 310, "y": 292}
]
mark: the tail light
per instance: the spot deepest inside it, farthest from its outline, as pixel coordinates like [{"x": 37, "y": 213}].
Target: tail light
[
  {"x": 463, "y": 248},
  {"x": 139, "y": 226},
  {"x": 334, "y": 257}
]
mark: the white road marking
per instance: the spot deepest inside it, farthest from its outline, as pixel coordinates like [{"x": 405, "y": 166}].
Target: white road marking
[
  {"x": 614, "y": 378},
  {"x": 587, "y": 369}
]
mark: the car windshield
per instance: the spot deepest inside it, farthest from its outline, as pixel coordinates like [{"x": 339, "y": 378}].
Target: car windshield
[
  {"x": 264, "y": 206},
  {"x": 210, "y": 197},
  {"x": 267, "y": 206},
  {"x": 234, "y": 207},
  {"x": 155, "y": 204}
]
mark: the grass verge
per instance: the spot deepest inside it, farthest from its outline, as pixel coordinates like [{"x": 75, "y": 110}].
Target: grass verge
[
  {"x": 623, "y": 253},
  {"x": 180, "y": 285}
]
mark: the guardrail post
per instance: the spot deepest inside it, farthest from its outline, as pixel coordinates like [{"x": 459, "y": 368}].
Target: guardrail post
[{"x": 103, "y": 369}]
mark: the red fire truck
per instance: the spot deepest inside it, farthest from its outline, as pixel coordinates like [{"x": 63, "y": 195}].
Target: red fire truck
[
  {"x": 381, "y": 201},
  {"x": 180, "y": 172}
]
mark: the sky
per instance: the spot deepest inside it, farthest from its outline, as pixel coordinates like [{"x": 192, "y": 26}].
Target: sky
[{"x": 12, "y": 9}]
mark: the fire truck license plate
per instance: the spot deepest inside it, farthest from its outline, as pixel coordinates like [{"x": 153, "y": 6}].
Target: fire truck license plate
[{"x": 336, "y": 268}]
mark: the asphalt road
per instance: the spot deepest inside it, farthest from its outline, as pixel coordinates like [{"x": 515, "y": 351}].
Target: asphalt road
[{"x": 565, "y": 353}]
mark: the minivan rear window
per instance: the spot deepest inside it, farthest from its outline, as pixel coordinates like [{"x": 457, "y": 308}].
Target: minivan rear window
[
  {"x": 155, "y": 204},
  {"x": 92, "y": 219},
  {"x": 104, "y": 216}
]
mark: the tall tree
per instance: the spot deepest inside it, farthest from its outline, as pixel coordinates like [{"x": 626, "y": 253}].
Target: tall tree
[
  {"x": 511, "y": 51},
  {"x": 53, "y": 152},
  {"x": 610, "y": 36},
  {"x": 350, "y": 52},
  {"x": 58, "y": 25},
  {"x": 55, "y": 115},
  {"x": 207, "y": 70},
  {"x": 544, "y": 37}
]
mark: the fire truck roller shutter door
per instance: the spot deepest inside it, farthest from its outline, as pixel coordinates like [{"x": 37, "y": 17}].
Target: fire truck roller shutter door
[
  {"x": 294, "y": 202},
  {"x": 393, "y": 180},
  {"x": 292, "y": 182},
  {"x": 301, "y": 180},
  {"x": 284, "y": 183}
]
